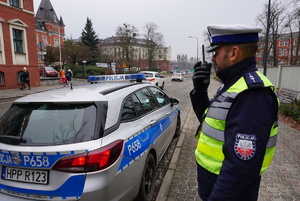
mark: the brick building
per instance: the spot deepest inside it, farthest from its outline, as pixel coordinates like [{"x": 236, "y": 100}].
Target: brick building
[
  {"x": 17, "y": 35},
  {"x": 286, "y": 50},
  {"x": 50, "y": 30}
]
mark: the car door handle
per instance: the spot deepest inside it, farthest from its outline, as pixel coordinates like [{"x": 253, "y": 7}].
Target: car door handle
[{"x": 152, "y": 122}]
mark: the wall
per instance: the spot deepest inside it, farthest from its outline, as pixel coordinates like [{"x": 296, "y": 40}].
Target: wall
[{"x": 284, "y": 76}]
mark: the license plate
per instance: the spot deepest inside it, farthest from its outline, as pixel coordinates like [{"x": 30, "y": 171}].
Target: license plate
[{"x": 25, "y": 175}]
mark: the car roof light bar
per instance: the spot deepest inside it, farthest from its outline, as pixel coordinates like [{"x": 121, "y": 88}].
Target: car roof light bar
[{"x": 117, "y": 77}]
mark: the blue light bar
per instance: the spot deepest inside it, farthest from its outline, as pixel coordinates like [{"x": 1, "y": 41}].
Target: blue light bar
[{"x": 119, "y": 77}]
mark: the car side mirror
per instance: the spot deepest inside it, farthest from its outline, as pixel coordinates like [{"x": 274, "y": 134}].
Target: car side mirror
[{"x": 174, "y": 101}]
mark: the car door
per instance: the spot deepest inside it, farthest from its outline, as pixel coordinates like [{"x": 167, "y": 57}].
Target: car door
[{"x": 169, "y": 115}]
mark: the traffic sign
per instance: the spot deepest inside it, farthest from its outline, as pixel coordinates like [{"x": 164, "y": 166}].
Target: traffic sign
[{"x": 124, "y": 65}]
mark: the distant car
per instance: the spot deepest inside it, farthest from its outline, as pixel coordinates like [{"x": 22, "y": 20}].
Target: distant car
[
  {"x": 177, "y": 77},
  {"x": 95, "y": 142},
  {"x": 48, "y": 71},
  {"x": 154, "y": 78}
]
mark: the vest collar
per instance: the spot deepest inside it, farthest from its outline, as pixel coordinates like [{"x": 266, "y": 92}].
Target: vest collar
[{"x": 234, "y": 72}]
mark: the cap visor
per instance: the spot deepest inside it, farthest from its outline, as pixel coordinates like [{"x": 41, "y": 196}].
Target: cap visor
[{"x": 212, "y": 48}]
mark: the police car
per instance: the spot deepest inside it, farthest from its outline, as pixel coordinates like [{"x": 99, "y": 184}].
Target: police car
[{"x": 95, "y": 142}]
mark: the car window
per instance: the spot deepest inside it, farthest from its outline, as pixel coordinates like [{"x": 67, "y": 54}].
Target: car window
[
  {"x": 160, "y": 96},
  {"x": 148, "y": 74},
  {"x": 128, "y": 111},
  {"x": 138, "y": 105},
  {"x": 146, "y": 100},
  {"x": 50, "y": 68},
  {"x": 49, "y": 124},
  {"x": 157, "y": 75}
]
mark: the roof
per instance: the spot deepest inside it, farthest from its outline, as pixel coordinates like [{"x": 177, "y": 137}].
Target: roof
[{"x": 46, "y": 12}]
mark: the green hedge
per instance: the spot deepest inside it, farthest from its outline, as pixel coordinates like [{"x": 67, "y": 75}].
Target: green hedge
[
  {"x": 291, "y": 110},
  {"x": 78, "y": 70}
]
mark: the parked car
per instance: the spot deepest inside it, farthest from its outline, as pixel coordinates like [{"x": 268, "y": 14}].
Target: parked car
[
  {"x": 177, "y": 77},
  {"x": 154, "y": 78},
  {"x": 48, "y": 71},
  {"x": 95, "y": 142}
]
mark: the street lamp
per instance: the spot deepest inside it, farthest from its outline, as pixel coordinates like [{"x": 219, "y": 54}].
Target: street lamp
[
  {"x": 197, "y": 45},
  {"x": 84, "y": 68}
]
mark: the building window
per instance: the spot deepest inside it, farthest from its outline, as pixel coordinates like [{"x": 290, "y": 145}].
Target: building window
[
  {"x": 18, "y": 40},
  {"x": 284, "y": 52},
  {"x": 280, "y": 43},
  {"x": 295, "y": 42},
  {"x": 1, "y": 77},
  {"x": 286, "y": 43},
  {"x": 15, "y": 3},
  {"x": 56, "y": 42}
]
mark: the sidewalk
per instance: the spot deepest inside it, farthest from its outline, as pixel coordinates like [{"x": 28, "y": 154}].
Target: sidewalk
[
  {"x": 280, "y": 182},
  {"x": 14, "y": 93}
]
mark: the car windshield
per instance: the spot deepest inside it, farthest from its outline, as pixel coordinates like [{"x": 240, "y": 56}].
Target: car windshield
[
  {"x": 177, "y": 74},
  {"x": 49, "y": 69},
  {"x": 48, "y": 124}
]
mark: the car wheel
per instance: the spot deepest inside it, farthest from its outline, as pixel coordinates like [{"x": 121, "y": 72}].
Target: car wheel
[
  {"x": 147, "y": 185},
  {"x": 178, "y": 126},
  {"x": 162, "y": 86}
]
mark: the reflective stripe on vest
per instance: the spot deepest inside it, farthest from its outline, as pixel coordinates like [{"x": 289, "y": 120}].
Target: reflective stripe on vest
[{"x": 212, "y": 137}]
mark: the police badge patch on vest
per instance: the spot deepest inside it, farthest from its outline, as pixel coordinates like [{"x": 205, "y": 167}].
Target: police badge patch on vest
[{"x": 245, "y": 146}]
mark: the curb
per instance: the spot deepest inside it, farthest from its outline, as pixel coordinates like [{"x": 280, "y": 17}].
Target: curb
[{"x": 165, "y": 186}]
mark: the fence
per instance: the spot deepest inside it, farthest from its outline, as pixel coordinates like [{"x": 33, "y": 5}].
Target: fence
[{"x": 284, "y": 77}]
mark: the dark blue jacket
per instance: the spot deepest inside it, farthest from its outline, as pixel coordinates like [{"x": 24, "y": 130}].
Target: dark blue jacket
[{"x": 253, "y": 112}]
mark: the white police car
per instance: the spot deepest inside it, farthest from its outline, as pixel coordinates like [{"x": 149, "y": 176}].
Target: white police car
[{"x": 95, "y": 142}]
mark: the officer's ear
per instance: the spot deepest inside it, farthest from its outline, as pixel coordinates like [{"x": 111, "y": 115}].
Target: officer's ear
[{"x": 235, "y": 54}]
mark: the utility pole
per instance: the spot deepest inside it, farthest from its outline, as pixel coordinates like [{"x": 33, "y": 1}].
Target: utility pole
[{"x": 267, "y": 40}]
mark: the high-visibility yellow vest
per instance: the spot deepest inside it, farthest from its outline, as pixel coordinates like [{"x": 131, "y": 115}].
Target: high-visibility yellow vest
[{"x": 211, "y": 136}]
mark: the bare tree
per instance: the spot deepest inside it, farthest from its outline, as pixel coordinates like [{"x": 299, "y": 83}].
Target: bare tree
[
  {"x": 276, "y": 25},
  {"x": 127, "y": 35},
  {"x": 296, "y": 28},
  {"x": 75, "y": 51},
  {"x": 154, "y": 40}
]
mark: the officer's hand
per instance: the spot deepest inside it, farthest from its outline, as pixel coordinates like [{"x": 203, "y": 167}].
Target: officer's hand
[{"x": 201, "y": 77}]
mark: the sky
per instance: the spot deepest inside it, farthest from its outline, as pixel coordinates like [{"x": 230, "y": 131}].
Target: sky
[{"x": 176, "y": 19}]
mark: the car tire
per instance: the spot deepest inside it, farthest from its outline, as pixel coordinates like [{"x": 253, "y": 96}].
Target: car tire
[
  {"x": 147, "y": 185},
  {"x": 162, "y": 86},
  {"x": 178, "y": 126}
]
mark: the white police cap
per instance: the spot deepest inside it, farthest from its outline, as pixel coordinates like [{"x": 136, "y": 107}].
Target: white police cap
[{"x": 232, "y": 34}]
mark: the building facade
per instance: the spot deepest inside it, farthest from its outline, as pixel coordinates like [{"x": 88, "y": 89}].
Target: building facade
[
  {"x": 17, "y": 35},
  {"x": 111, "y": 49},
  {"x": 287, "y": 50},
  {"x": 50, "y": 30}
]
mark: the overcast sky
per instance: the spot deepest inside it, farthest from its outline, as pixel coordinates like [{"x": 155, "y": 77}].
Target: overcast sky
[{"x": 176, "y": 19}]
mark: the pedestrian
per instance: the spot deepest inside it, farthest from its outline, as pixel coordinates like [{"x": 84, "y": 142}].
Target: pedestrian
[
  {"x": 238, "y": 130},
  {"x": 64, "y": 80},
  {"x": 25, "y": 79},
  {"x": 69, "y": 76}
]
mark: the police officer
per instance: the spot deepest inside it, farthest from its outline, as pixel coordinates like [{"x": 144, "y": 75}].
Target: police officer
[{"x": 237, "y": 135}]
